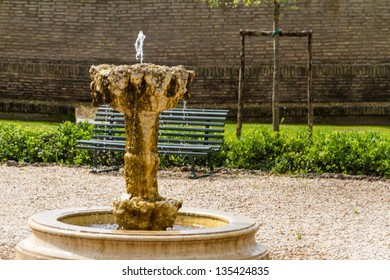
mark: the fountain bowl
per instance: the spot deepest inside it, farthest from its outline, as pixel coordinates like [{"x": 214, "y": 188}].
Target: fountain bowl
[{"x": 67, "y": 234}]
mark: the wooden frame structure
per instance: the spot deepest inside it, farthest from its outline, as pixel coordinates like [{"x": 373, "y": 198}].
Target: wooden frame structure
[{"x": 275, "y": 101}]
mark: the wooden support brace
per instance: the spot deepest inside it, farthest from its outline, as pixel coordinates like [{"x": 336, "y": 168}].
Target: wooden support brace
[{"x": 249, "y": 32}]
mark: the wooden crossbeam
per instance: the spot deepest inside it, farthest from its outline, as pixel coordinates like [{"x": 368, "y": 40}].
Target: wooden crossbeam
[{"x": 249, "y": 32}]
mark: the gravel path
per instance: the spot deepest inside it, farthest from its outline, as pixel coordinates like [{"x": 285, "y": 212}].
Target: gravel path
[{"x": 301, "y": 218}]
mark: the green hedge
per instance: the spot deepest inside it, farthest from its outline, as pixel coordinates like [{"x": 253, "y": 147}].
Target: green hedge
[
  {"x": 352, "y": 153},
  {"x": 347, "y": 152},
  {"x": 45, "y": 146}
]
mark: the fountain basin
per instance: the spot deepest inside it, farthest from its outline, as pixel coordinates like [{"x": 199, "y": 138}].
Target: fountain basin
[{"x": 66, "y": 234}]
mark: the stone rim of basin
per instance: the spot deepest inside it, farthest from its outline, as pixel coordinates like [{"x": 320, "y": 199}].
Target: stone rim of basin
[
  {"x": 61, "y": 219},
  {"x": 52, "y": 238}
]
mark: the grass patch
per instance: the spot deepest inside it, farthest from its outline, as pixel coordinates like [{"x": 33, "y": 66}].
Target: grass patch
[
  {"x": 32, "y": 125},
  {"x": 248, "y": 128}
]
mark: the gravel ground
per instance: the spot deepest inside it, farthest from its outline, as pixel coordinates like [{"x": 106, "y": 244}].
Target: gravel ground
[{"x": 301, "y": 218}]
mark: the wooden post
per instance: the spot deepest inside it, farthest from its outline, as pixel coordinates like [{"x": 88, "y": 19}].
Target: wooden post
[
  {"x": 310, "y": 84},
  {"x": 241, "y": 85},
  {"x": 276, "y": 75}
]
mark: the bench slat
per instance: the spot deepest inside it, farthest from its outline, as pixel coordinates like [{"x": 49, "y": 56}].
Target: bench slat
[
  {"x": 109, "y": 119},
  {"x": 178, "y": 131},
  {"x": 100, "y": 140},
  {"x": 101, "y": 144},
  {"x": 110, "y": 137},
  {"x": 117, "y": 125},
  {"x": 166, "y": 150},
  {"x": 192, "y": 141},
  {"x": 193, "y": 110},
  {"x": 210, "y": 118},
  {"x": 109, "y": 131},
  {"x": 172, "y": 112},
  {"x": 161, "y": 139},
  {"x": 188, "y": 109},
  {"x": 185, "y": 118},
  {"x": 191, "y": 135},
  {"x": 162, "y": 129},
  {"x": 194, "y": 123}
]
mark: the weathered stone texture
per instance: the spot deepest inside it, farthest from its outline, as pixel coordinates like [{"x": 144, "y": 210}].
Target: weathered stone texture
[
  {"x": 141, "y": 92},
  {"x": 46, "y": 48}
]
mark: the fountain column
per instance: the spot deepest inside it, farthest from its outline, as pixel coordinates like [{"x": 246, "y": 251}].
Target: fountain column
[{"x": 141, "y": 92}]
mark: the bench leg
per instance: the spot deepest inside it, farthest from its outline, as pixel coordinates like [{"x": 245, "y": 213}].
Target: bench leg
[
  {"x": 95, "y": 162},
  {"x": 210, "y": 161},
  {"x": 192, "y": 161}
]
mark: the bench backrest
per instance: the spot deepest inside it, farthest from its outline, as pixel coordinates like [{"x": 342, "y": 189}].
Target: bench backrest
[{"x": 176, "y": 126}]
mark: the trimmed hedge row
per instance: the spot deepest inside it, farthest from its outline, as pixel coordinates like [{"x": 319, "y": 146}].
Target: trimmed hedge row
[
  {"x": 353, "y": 153},
  {"x": 45, "y": 146},
  {"x": 350, "y": 152}
]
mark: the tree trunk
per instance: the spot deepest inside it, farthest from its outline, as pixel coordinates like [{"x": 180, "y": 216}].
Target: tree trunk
[
  {"x": 241, "y": 86},
  {"x": 310, "y": 84},
  {"x": 276, "y": 76}
]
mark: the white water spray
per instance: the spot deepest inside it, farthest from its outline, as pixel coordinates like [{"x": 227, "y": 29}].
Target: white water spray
[{"x": 139, "y": 44}]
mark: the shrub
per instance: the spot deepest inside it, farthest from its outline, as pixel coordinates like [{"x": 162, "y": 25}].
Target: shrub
[
  {"x": 351, "y": 153},
  {"x": 366, "y": 153},
  {"x": 254, "y": 151},
  {"x": 56, "y": 146},
  {"x": 333, "y": 152}
]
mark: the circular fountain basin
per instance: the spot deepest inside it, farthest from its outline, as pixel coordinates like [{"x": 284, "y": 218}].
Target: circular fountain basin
[{"x": 200, "y": 234}]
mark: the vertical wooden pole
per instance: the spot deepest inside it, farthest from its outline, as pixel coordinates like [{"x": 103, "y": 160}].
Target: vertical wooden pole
[
  {"x": 241, "y": 85},
  {"x": 310, "y": 84},
  {"x": 276, "y": 75}
]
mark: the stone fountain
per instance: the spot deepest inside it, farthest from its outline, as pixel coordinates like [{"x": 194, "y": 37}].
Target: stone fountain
[
  {"x": 146, "y": 225},
  {"x": 141, "y": 92}
]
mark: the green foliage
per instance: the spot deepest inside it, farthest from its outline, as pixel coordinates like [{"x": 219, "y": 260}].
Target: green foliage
[
  {"x": 32, "y": 125},
  {"x": 345, "y": 152},
  {"x": 289, "y": 151},
  {"x": 351, "y": 153},
  {"x": 25, "y": 145}
]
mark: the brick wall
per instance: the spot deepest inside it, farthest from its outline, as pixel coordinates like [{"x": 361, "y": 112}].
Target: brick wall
[{"x": 46, "y": 49}]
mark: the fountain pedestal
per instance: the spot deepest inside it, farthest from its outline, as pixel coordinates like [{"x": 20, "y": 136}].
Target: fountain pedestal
[{"x": 141, "y": 92}]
